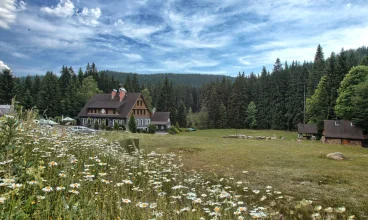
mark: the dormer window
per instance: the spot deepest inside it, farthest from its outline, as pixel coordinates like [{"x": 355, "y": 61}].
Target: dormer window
[{"x": 337, "y": 123}]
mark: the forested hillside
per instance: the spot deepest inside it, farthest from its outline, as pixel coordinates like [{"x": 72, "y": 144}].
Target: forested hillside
[{"x": 272, "y": 99}]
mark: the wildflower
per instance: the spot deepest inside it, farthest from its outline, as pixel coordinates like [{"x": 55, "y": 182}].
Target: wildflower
[
  {"x": 126, "y": 201},
  {"x": 255, "y": 191},
  {"x": 74, "y": 191},
  {"x": 245, "y": 172},
  {"x": 75, "y": 185},
  {"x": 305, "y": 202},
  {"x": 53, "y": 163},
  {"x": 329, "y": 209},
  {"x": 15, "y": 185},
  {"x": 142, "y": 205},
  {"x": 105, "y": 181},
  {"x": 102, "y": 174},
  {"x": 90, "y": 176},
  {"x": 242, "y": 209},
  {"x": 217, "y": 209},
  {"x": 41, "y": 167},
  {"x": 60, "y": 188},
  {"x": 197, "y": 201},
  {"x": 32, "y": 182},
  {"x": 318, "y": 208},
  {"x": 153, "y": 205},
  {"x": 40, "y": 197},
  {"x": 263, "y": 198},
  {"x": 340, "y": 209},
  {"x": 2, "y": 200},
  {"x": 8, "y": 181},
  {"x": 47, "y": 189}
]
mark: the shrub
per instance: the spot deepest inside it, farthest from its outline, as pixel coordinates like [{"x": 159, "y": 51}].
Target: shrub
[
  {"x": 116, "y": 126},
  {"x": 96, "y": 125},
  {"x": 151, "y": 129},
  {"x": 173, "y": 130},
  {"x": 132, "y": 125},
  {"x": 103, "y": 125}
]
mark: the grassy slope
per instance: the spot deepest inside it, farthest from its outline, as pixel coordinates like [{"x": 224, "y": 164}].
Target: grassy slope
[{"x": 298, "y": 169}]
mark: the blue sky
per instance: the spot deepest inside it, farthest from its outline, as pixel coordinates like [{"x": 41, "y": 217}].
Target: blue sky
[{"x": 188, "y": 36}]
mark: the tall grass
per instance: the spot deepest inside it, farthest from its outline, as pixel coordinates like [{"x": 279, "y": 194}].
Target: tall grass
[{"x": 52, "y": 174}]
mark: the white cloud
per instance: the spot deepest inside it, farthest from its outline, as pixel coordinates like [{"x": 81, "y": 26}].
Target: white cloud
[
  {"x": 3, "y": 65},
  {"x": 244, "y": 60},
  {"x": 65, "y": 8},
  {"x": 133, "y": 56},
  {"x": 135, "y": 31},
  {"x": 8, "y": 11},
  {"x": 89, "y": 16}
]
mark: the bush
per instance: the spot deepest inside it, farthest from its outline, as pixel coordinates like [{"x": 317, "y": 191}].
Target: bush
[
  {"x": 96, "y": 126},
  {"x": 132, "y": 124},
  {"x": 116, "y": 126},
  {"x": 103, "y": 125},
  {"x": 151, "y": 129},
  {"x": 173, "y": 130}
]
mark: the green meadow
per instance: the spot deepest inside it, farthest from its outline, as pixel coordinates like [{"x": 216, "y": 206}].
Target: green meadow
[{"x": 300, "y": 169}]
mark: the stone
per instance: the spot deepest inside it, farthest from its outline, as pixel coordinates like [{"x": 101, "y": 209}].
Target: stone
[{"x": 336, "y": 156}]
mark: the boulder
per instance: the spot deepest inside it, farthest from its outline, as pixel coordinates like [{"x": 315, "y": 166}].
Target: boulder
[{"x": 336, "y": 156}]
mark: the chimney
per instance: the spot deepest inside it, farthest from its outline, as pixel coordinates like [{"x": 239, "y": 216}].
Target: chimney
[
  {"x": 113, "y": 93},
  {"x": 122, "y": 93}
]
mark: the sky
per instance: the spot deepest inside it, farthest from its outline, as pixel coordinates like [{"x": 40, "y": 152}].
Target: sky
[{"x": 180, "y": 36}]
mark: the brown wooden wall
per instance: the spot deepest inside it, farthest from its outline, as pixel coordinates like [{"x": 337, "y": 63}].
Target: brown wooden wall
[{"x": 140, "y": 109}]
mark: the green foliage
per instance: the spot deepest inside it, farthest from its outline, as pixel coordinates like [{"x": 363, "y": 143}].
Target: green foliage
[
  {"x": 223, "y": 117},
  {"x": 6, "y": 86},
  {"x": 132, "y": 124},
  {"x": 251, "y": 115},
  {"x": 116, "y": 126},
  {"x": 151, "y": 129},
  {"x": 181, "y": 116},
  {"x": 318, "y": 70},
  {"x": 344, "y": 104},
  {"x": 317, "y": 107},
  {"x": 88, "y": 89},
  {"x": 49, "y": 96},
  {"x": 360, "y": 105},
  {"x": 147, "y": 98},
  {"x": 96, "y": 125},
  {"x": 173, "y": 130}
]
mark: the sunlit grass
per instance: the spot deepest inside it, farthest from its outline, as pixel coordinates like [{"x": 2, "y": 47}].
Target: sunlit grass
[{"x": 50, "y": 174}]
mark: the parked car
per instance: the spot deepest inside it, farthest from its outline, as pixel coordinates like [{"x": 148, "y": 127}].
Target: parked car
[
  {"x": 81, "y": 130},
  {"x": 192, "y": 129}
]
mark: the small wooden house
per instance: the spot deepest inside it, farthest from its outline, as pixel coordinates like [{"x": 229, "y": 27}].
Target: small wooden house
[
  {"x": 4, "y": 109},
  {"x": 161, "y": 120},
  {"x": 343, "y": 132},
  {"x": 307, "y": 130}
]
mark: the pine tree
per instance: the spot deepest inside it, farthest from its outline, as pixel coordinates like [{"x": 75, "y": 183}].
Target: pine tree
[
  {"x": 147, "y": 98},
  {"x": 132, "y": 124},
  {"x": 251, "y": 116},
  {"x": 135, "y": 83},
  {"x": 181, "y": 116},
  {"x": 214, "y": 109},
  {"x": 317, "y": 107},
  {"x": 318, "y": 70},
  {"x": 332, "y": 85},
  {"x": 223, "y": 117},
  {"x": 80, "y": 75},
  {"x": 6, "y": 87},
  {"x": 237, "y": 111},
  {"x": 64, "y": 79},
  {"x": 128, "y": 84},
  {"x": 49, "y": 96}
]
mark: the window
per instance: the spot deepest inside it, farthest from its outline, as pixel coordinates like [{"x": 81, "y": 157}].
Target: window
[
  {"x": 137, "y": 121},
  {"x": 337, "y": 123},
  {"x": 84, "y": 121},
  {"x": 142, "y": 122}
]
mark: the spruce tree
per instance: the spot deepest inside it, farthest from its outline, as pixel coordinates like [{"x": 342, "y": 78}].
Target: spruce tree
[
  {"x": 49, "y": 96},
  {"x": 251, "y": 116},
  {"x": 135, "y": 83},
  {"x": 318, "y": 70},
  {"x": 6, "y": 87},
  {"x": 223, "y": 117},
  {"x": 132, "y": 124}
]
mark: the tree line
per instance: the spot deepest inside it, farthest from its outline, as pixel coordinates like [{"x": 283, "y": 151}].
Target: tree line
[{"x": 272, "y": 99}]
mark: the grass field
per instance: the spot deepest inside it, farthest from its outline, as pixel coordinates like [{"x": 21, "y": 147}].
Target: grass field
[{"x": 299, "y": 169}]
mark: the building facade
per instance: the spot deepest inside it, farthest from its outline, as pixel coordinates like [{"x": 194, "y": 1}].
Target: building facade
[
  {"x": 116, "y": 107},
  {"x": 343, "y": 132}
]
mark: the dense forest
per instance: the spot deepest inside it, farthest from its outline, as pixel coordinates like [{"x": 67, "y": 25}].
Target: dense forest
[{"x": 335, "y": 87}]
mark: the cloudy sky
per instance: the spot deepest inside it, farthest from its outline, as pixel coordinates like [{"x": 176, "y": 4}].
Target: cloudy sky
[{"x": 188, "y": 36}]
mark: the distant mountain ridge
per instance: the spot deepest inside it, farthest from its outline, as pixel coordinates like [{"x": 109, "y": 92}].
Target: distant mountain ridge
[{"x": 191, "y": 79}]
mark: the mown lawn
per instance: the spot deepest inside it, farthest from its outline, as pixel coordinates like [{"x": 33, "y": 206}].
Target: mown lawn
[{"x": 299, "y": 169}]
